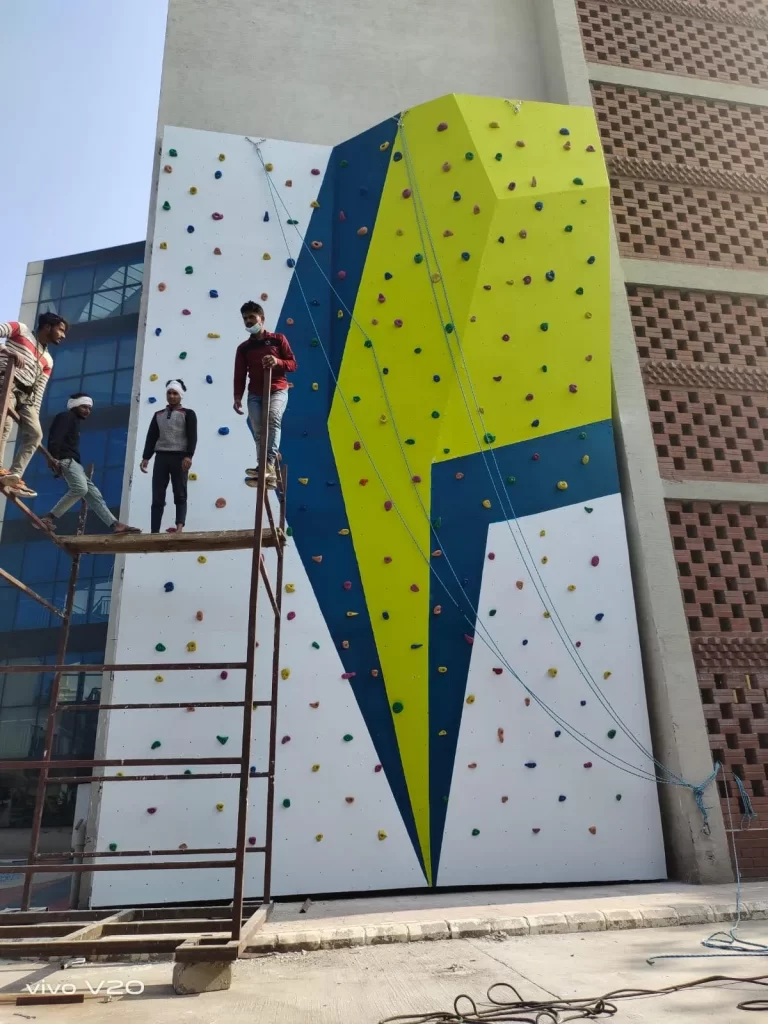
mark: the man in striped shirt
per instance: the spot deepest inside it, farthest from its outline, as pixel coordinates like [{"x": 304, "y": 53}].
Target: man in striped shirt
[{"x": 29, "y": 358}]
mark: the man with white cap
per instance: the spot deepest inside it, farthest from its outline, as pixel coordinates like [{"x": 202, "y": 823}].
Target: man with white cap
[
  {"x": 64, "y": 446},
  {"x": 172, "y": 439}
]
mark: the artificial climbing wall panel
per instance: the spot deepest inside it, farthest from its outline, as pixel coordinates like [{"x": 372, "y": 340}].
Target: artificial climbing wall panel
[{"x": 462, "y": 698}]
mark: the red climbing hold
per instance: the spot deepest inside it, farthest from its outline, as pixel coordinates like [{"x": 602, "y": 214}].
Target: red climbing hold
[
  {"x": 491, "y": 556},
  {"x": 535, "y": 831},
  {"x": 519, "y": 584},
  {"x": 362, "y": 231},
  {"x": 357, "y": 446},
  {"x": 498, "y": 671},
  {"x": 415, "y": 588},
  {"x": 587, "y": 764},
  {"x": 472, "y": 765},
  {"x": 315, "y": 704},
  {"x": 217, "y": 251},
  {"x": 595, "y": 560},
  {"x": 416, "y": 479},
  {"x": 504, "y": 799},
  {"x": 151, "y": 810},
  {"x": 505, "y": 337},
  {"x": 349, "y": 799},
  {"x": 221, "y": 502},
  {"x": 476, "y": 209},
  {"x": 398, "y": 323},
  {"x": 529, "y": 397},
  {"x": 342, "y": 215},
  {"x": 377, "y": 768},
  {"x": 573, "y": 388},
  {"x": 382, "y": 298},
  {"x": 470, "y": 639},
  {"x": 291, "y": 616},
  {"x": 348, "y": 675},
  {"x": 447, "y": 233},
  {"x": 252, "y": 840},
  {"x": 442, "y": 126},
  {"x": 217, "y": 216},
  {"x": 387, "y": 506},
  {"x": 186, "y": 312},
  {"x": 347, "y": 585},
  {"x": 535, "y": 456},
  {"x": 437, "y": 609},
  {"x": 314, "y": 171},
  {"x": 387, "y": 559},
  {"x": 593, "y": 829},
  {"x": 527, "y": 702},
  {"x": 406, "y": 193},
  {"x": 363, "y": 482},
  {"x": 497, "y": 379},
  {"x": 199, "y": 616}
]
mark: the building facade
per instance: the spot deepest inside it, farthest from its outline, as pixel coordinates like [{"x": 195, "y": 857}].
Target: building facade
[{"x": 99, "y": 294}]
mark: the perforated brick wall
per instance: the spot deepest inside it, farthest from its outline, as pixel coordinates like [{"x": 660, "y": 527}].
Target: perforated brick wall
[
  {"x": 707, "y": 134},
  {"x": 680, "y": 224},
  {"x": 656, "y": 40}
]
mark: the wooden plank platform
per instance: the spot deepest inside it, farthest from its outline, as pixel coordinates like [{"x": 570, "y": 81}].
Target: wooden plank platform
[{"x": 146, "y": 543}]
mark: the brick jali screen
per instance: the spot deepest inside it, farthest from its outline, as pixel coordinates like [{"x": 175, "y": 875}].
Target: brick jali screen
[{"x": 656, "y": 40}]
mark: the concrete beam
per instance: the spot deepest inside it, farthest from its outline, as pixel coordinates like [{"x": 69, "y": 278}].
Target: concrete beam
[
  {"x": 693, "y": 277},
  {"x": 716, "y": 491},
  {"x": 677, "y": 717},
  {"x": 565, "y": 67},
  {"x": 696, "y": 88}
]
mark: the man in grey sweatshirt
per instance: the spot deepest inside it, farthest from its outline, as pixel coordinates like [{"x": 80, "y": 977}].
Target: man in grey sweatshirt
[{"x": 172, "y": 439}]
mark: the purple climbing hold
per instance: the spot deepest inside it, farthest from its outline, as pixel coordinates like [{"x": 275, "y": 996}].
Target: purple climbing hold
[
  {"x": 595, "y": 560},
  {"x": 224, "y": 675},
  {"x": 442, "y": 126}
]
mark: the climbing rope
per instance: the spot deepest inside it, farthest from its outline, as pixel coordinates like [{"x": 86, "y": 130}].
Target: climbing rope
[{"x": 592, "y": 745}]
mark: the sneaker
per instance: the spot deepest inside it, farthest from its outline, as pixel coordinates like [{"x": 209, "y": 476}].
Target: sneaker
[
  {"x": 252, "y": 472},
  {"x": 13, "y": 483}
]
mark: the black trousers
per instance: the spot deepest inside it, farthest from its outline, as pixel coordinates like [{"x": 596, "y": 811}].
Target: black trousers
[{"x": 168, "y": 468}]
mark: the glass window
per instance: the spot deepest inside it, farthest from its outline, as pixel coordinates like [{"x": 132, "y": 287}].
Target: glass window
[
  {"x": 132, "y": 299},
  {"x": 68, "y": 360},
  {"x": 118, "y": 441},
  {"x": 17, "y": 731},
  {"x": 39, "y": 563},
  {"x": 127, "y": 352},
  {"x": 13, "y": 555},
  {"x": 112, "y": 486},
  {"x": 78, "y": 282},
  {"x": 109, "y": 275},
  {"x": 101, "y": 596},
  {"x": 99, "y": 387},
  {"x": 8, "y": 596},
  {"x": 76, "y": 310},
  {"x": 58, "y": 391},
  {"x": 21, "y": 689},
  {"x": 135, "y": 273},
  {"x": 30, "y": 614},
  {"x": 92, "y": 446},
  {"x": 123, "y": 385},
  {"x": 51, "y": 286},
  {"x": 100, "y": 356},
  {"x": 107, "y": 304}
]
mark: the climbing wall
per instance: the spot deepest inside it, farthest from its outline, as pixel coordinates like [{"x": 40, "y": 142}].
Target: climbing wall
[{"x": 461, "y": 699}]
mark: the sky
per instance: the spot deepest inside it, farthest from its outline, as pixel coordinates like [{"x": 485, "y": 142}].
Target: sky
[{"x": 79, "y": 89}]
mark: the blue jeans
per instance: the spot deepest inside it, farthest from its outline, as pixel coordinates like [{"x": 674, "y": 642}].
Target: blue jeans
[
  {"x": 81, "y": 487},
  {"x": 278, "y": 400}
]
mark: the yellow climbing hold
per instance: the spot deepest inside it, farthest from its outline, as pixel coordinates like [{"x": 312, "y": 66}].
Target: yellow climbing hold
[
  {"x": 344, "y": 532},
  {"x": 562, "y": 485},
  {"x": 552, "y": 672},
  {"x": 399, "y": 232},
  {"x": 159, "y": 679},
  {"x": 607, "y": 675},
  {"x": 120, "y": 774},
  {"x": 266, "y": 256},
  {"x": 384, "y": 147},
  {"x": 442, "y": 669},
  {"x": 436, "y": 278},
  {"x": 163, "y": 245},
  {"x": 319, "y": 837},
  {"x": 193, "y": 476},
  {"x": 585, "y": 460},
  {"x": 153, "y": 376},
  {"x": 315, "y": 386},
  {"x": 544, "y": 560},
  {"x": 315, "y": 767},
  {"x": 547, "y": 615},
  {"x": 315, "y": 205},
  {"x": 542, "y": 533},
  {"x": 212, "y": 334},
  {"x": 268, "y": 167},
  {"x": 192, "y": 646},
  {"x": 219, "y": 807},
  {"x": 339, "y": 314},
  {"x": 304, "y": 480},
  {"x": 571, "y": 587},
  {"x": 352, "y": 615},
  {"x": 285, "y": 673},
  {"x": 493, "y": 124},
  {"x": 442, "y": 733},
  {"x": 290, "y": 588},
  {"x": 193, "y": 190},
  {"x": 486, "y": 503},
  {"x": 471, "y": 699},
  {"x": 202, "y": 559},
  {"x": 222, "y": 158},
  {"x": 382, "y": 834},
  {"x": 383, "y": 418}
]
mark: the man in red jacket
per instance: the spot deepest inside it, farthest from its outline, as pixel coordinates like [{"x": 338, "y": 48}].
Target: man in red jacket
[{"x": 260, "y": 350}]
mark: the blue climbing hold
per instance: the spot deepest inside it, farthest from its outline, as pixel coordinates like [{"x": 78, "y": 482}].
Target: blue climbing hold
[
  {"x": 561, "y": 799},
  {"x": 290, "y": 263},
  {"x": 208, "y": 379},
  {"x": 158, "y": 331},
  {"x": 385, "y": 615},
  {"x": 387, "y": 276},
  {"x": 599, "y": 617},
  {"x": 415, "y": 647},
  {"x": 190, "y": 228},
  {"x": 535, "y": 423},
  {"x": 223, "y": 430},
  {"x": 385, "y": 370},
  {"x": 592, "y": 259},
  {"x": 557, "y": 733},
  {"x": 565, "y": 131},
  {"x": 465, "y": 256},
  {"x": 539, "y": 206},
  {"x": 525, "y": 643},
  {"x": 550, "y": 275},
  {"x": 152, "y": 400},
  {"x": 530, "y": 764},
  {"x": 397, "y": 156},
  {"x": 217, "y": 175},
  {"x": 583, "y": 703},
  {"x": 456, "y": 196},
  {"x": 213, "y": 293},
  {"x": 265, "y": 218},
  {"x": 436, "y": 378},
  {"x": 168, "y": 587}
]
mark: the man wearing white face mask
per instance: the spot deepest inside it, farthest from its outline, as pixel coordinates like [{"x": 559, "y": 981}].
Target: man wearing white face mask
[{"x": 261, "y": 350}]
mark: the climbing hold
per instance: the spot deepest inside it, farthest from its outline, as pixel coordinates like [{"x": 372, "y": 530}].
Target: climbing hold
[
  {"x": 347, "y": 737},
  {"x": 600, "y": 616},
  {"x": 285, "y": 673},
  {"x": 381, "y": 833},
  {"x": 217, "y": 174},
  {"x": 456, "y": 195},
  {"x": 535, "y": 423},
  {"x": 217, "y": 216},
  {"x": 151, "y": 810},
  {"x": 544, "y": 326},
  {"x": 290, "y": 588},
  {"x": 611, "y": 734},
  {"x": 221, "y": 502},
  {"x": 552, "y": 672},
  {"x": 486, "y": 503},
  {"x": 562, "y": 485},
  {"x": 398, "y": 323},
  {"x": 578, "y": 181},
  {"x": 465, "y": 256},
  {"x": 162, "y": 286},
  {"x": 397, "y": 707},
  {"x": 166, "y": 205},
  {"x": 168, "y": 587},
  {"x": 593, "y": 829},
  {"x": 168, "y": 169},
  {"x": 223, "y": 431},
  {"x": 595, "y": 560},
  {"x": 530, "y": 764},
  {"x": 156, "y": 744},
  {"x": 550, "y": 275},
  {"x": 345, "y": 644},
  {"x": 362, "y": 231},
  {"x": 592, "y": 259},
  {"x": 352, "y": 615},
  {"x": 217, "y": 252},
  {"x": 561, "y": 799},
  {"x": 489, "y": 438},
  {"x": 315, "y": 205},
  {"x": 160, "y": 647},
  {"x": 527, "y": 279},
  {"x": 573, "y": 388},
  {"x": 286, "y": 802}
]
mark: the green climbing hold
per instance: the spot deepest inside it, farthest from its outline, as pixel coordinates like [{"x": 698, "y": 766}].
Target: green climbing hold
[
  {"x": 511, "y": 479},
  {"x": 182, "y": 355},
  {"x": 611, "y": 733},
  {"x": 222, "y": 739},
  {"x": 343, "y": 163},
  {"x": 417, "y": 351},
  {"x": 446, "y": 451},
  {"x": 187, "y": 771},
  {"x": 435, "y": 415},
  {"x": 569, "y": 227},
  {"x": 286, "y": 802},
  {"x": 583, "y": 202},
  {"x": 418, "y": 258},
  {"x": 166, "y": 205},
  {"x": 449, "y": 328},
  {"x": 492, "y": 611},
  {"x": 437, "y": 523},
  {"x": 544, "y": 326},
  {"x": 156, "y": 744},
  {"x": 172, "y": 152},
  {"x": 316, "y": 645},
  {"x": 348, "y": 737},
  {"x": 289, "y": 531},
  {"x": 314, "y": 343},
  {"x": 544, "y": 368},
  {"x": 160, "y": 647},
  {"x": 355, "y": 398},
  {"x": 578, "y": 181},
  {"x": 489, "y": 438},
  {"x": 475, "y": 831},
  {"x": 579, "y": 291},
  {"x": 189, "y": 270},
  {"x": 498, "y": 156},
  {"x": 368, "y": 343},
  {"x": 397, "y": 707},
  {"x": 113, "y": 846},
  {"x": 469, "y": 156},
  {"x": 409, "y": 440},
  {"x": 588, "y": 509},
  {"x": 583, "y": 435}
]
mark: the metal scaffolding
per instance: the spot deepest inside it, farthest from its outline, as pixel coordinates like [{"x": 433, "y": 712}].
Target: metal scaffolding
[{"x": 203, "y": 932}]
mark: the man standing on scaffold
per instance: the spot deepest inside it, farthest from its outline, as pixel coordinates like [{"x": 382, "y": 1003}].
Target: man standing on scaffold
[{"x": 261, "y": 350}]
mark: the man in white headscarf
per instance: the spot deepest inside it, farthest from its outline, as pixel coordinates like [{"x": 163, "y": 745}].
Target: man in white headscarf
[{"x": 64, "y": 446}]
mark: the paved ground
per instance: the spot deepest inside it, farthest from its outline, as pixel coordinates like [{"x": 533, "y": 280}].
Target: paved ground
[{"x": 364, "y": 985}]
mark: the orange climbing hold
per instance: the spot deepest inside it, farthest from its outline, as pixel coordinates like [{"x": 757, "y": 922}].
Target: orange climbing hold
[
  {"x": 317, "y": 558},
  {"x": 221, "y": 503},
  {"x": 519, "y": 584},
  {"x": 199, "y": 616},
  {"x": 500, "y": 735}
]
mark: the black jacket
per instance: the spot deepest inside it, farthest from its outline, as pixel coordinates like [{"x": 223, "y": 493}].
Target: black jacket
[{"x": 64, "y": 436}]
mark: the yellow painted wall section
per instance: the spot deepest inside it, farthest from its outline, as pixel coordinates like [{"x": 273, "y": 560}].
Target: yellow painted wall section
[{"x": 445, "y": 205}]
